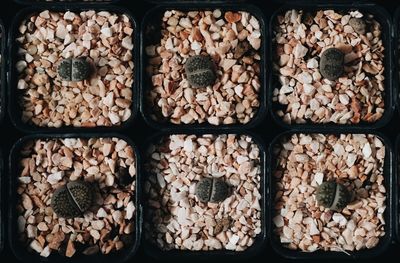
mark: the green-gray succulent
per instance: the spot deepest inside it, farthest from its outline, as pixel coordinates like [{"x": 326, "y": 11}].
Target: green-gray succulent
[
  {"x": 212, "y": 190},
  {"x": 200, "y": 71},
  {"x": 333, "y": 195},
  {"x": 72, "y": 199}
]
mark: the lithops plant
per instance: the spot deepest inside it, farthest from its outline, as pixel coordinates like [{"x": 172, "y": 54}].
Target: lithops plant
[
  {"x": 72, "y": 200},
  {"x": 332, "y": 195},
  {"x": 74, "y": 69},
  {"x": 200, "y": 71},
  {"x": 331, "y": 65},
  {"x": 212, "y": 190},
  {"x": 358, "y": 24}
]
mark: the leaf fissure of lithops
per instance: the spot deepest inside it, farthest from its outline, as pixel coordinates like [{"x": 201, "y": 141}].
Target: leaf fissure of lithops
[
  {"x": 199, "y": 71},
  {"x": 336, "y": 198},
  {"x": 211, "y": 190}
]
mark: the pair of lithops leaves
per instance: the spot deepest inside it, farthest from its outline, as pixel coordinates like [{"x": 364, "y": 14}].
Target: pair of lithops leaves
[
  {"x": 76, "y": 197},
  {"x": 331, "y": 65},
  {"x": 332, "y": 195},
  {"x": 74, "y": 69},
  {"x": 72, "y": 199},
  {"x": 200, "y": 71},
  {"x": 212, "y": 190}
]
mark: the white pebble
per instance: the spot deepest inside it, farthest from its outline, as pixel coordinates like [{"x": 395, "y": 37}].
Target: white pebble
[
  {"x": 109, "y": 180},
  {"x": 35, "y": 245},
  {"x": 234, "y": 239},
  {"x": 304, "y": 78},
  {"x": 130, "y": 209},
  {"x": 107, "y": 32},
  {"x": 69, "y": 16},
  {"x": 42, "y": 226},
  {"x": 312, "y": 63},
  {"x": 55, "y": 177},
  {"x": 114, "y": 118},
  {"x": 308, "y": 89},
  {"x": 101, "y": 213},
  {"x": 97, "y": 224},
  {"x": 300, "y": 51},
  {"x": 319, "y": 178},
  {"x": 127, "y": 43},
  {"x": 367, "y": 151},
  {"x": 22, "y": 84}
]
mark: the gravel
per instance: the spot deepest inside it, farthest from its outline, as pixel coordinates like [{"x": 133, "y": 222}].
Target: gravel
[
  {"x": 1, "y": 63},
  {"x": 174, "y": 216}
]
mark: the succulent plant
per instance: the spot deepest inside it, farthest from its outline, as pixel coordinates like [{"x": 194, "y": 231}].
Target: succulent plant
[
  {"x": 332, "y": 195},
  {"x": 74, "y": 69},
  {"x": 200, "y": 71},
  {"x": 358, "y": 24},
  {"x": 72, "y": 200},
  {"x": 331, "y": 63},
  {"x": 212, "y": 190}
]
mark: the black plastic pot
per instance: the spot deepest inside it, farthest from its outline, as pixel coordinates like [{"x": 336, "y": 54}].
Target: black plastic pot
[
  {"x": 194, "y": 1},
  {"x": 1, "y": 203},
  {"x": 389, "y": 214},
  {"x": 14, "y": 94},
  {"x": 20, "y": 250},
  {"x": 315, "y": 1},
  {"x": 384, "y": 18},
  {"x": 3, "y": 60},
  {"x": 52, "y": 2},
  {"x": 259, "y": 243},
  {"x": 396, "y": 185},
  {"x": 151, "y": 27},
  {"x": 396, "y": 61}
]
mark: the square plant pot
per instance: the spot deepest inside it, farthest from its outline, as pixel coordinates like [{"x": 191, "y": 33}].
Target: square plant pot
[
  {"x": 300, "y": 164},
  {"x": 163, "y": 196},
  {"x": 103, "y": 94},
  {"x": 63, "y": 2},
  {"x": 301, "y": 97},
  {"x": 396, "y": 61},
  {"x": 3, "y": 81},
  {"x": 227, "y": 91},
  {"x": 1, "y": 203},
  {"x": 396, "y": 184},
  {"x": 80, "y": 204}
]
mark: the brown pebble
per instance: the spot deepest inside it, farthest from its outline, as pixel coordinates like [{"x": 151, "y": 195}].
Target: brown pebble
[{"x": 232, "y": 17}]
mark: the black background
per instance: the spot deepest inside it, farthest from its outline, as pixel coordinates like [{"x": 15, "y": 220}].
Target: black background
[{"x": 139, "y": 131}]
